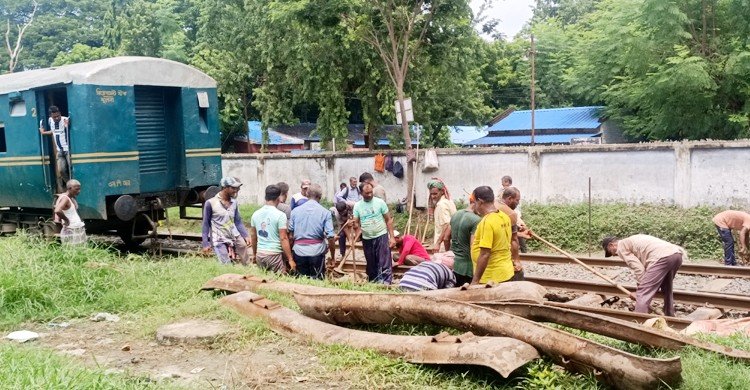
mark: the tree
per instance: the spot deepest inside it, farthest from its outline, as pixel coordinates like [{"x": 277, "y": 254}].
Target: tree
[
  {"x": 15, "y": 50},
  {"x": 228, "y": 49},
  {"x": 83, "y": 53}
]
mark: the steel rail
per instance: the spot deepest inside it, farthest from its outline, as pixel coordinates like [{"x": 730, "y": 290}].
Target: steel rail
[
  {"x": 685, "y": 268},
  {"x": 737, "y": 302},
  {"x": 689, "y": 297},
  {"x": 180, "y": 236}
]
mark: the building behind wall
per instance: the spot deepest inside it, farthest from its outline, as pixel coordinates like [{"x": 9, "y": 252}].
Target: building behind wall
[{"x": 552, "y": 126}]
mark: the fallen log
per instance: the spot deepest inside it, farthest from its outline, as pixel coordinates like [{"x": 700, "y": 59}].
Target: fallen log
[
  {"x": 617, "y": 368},
  {"x": 501, "y": 354},
  {"x": 612, "y": 327}
]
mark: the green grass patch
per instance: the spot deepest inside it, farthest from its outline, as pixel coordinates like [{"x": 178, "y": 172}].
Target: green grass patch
[
  {"x": 42, "y": 281},
  {"x": 26, "y": 367},
  {"x": 567, "y": 226}
]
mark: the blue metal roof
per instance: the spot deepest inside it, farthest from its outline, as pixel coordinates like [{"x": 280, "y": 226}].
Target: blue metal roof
[
  {"x": 460, "y": 135},
  {"x": 552, "y": 119},
  {"x": 381, "y": 142},
  {"x": 255, "y": 135},
  {"x": 526, "y": 139}
]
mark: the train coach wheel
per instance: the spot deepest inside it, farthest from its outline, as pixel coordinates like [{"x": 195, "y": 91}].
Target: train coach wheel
[{"x": 132, "y": 233}]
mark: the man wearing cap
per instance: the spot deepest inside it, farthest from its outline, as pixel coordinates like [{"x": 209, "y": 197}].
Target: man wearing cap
[
  {"x": 268, "y": 228},
  {"x": 443, "y": 211},
  {"x": 411, "y": 251},
  {"x": 222, "y": 224},
  {"x": 312, "y": 228},
  {"x": 653, "y": 261},
  {"x": 725, "y": 222},
  {"x": 372, "y": 217},
  {"x": 301, "y": 197}
]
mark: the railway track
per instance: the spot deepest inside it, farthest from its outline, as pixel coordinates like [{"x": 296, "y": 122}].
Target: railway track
[
  {"x": 686, "y": 268},
  {"x": 736, "y": 302}
]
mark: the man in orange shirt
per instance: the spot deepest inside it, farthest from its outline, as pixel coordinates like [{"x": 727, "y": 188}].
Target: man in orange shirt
[
  {"x": 507, "y": 202},
  {"x": 725, "y": 222}
]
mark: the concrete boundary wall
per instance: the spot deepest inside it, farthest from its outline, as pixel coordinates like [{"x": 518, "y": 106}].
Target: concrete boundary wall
[{"x": 678, "y": 173}]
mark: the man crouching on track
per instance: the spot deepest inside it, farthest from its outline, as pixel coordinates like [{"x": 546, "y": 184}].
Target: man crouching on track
[
  {"x": 653, "y": 261},
  {"x": 221, "y": 219}
]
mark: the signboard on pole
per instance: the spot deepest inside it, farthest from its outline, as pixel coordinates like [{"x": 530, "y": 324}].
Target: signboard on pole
[{"x": 407, "y": 108}]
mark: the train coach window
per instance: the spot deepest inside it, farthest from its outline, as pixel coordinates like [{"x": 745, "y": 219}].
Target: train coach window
[
  {"x": 3, "y": 146},
  {"x": 203, "y": 111},
  {"x": 17, "y": 108}
]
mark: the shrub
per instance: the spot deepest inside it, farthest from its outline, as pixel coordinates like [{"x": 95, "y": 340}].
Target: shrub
[{"x": 567, "y": 226}]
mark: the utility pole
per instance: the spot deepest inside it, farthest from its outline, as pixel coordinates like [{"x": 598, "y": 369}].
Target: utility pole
[{"x": 533, "y": 77}]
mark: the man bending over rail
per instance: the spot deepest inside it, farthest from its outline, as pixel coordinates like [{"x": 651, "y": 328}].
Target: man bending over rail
[
  {"x": 653, "y": 261},
  {"x": 725, "y": 222}
]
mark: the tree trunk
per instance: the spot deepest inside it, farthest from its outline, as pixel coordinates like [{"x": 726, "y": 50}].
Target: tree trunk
[{"x": 407, "y": 142}]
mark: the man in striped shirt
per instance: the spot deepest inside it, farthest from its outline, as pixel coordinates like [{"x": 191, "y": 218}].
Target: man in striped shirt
[
  {"x": 429, "y": 275},
  {"x": 59, "y": 130}
]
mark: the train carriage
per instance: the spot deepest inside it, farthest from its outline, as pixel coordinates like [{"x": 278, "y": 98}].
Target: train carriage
[{"x": 144, "y": 136}]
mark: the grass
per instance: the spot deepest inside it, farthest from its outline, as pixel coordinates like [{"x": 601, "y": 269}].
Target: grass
[
  {"x": 47, "y": 282},
  {"x": 27, "y": 367}
]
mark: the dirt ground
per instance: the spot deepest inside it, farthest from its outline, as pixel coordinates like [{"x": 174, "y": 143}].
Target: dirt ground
[{"x": 275, "y": 364}]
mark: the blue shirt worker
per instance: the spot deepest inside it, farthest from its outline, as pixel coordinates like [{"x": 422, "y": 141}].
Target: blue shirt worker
[
  {"x": 300, "y": 198},
  {"x": 311, "y": 226},
  {"x": 222, "y": 225},
  {"x": 350, "y": 194},
  {"x": 371, "y": 215}
]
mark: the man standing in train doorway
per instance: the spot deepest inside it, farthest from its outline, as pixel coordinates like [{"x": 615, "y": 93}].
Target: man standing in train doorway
[{"x": 59, "y": 128}]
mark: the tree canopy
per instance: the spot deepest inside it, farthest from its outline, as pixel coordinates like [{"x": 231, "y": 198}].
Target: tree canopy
[{"x": 664, "y": 69}]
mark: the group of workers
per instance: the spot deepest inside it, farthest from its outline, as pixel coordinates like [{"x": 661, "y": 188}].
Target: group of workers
[{"x": 478, "y": 244}]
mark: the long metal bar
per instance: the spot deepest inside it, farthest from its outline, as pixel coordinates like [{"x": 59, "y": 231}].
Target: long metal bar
[
  {"x": 686, "y": 268},
  {"x": 502, "y": 354},
  {"x": 619, "y": 369},
  {"x": 688, "y": 297}
]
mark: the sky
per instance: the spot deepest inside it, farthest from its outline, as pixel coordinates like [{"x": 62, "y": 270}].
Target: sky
[{"x": 513, "y": 14}]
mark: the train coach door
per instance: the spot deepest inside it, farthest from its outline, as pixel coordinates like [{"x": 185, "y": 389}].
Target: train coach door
[
  {"x": 44, "y": 100},
  {"x": 158, "y": 144}
]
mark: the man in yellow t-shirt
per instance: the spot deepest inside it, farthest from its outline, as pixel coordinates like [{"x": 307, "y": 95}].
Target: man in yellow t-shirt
[{"x": 490, "y": 251}]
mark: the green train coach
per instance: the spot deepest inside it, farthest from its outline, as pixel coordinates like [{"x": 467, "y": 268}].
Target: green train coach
[{"x": 143, "y": 136}]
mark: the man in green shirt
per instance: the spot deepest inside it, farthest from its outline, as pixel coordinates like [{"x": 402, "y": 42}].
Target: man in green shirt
[
  {"x": 371, "y": 215},
  {"x": 462, "y": 227}
]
